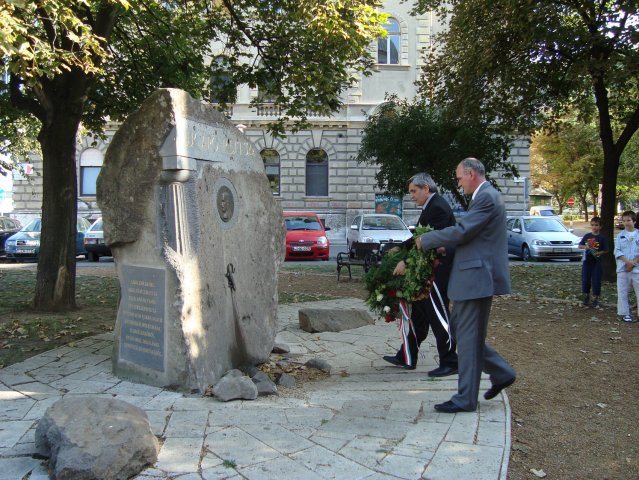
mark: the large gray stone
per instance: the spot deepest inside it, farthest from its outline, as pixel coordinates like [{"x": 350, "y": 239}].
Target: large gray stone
[
  {"x": 198, "y": 240},
  {"x": 235, "y": 386},
  {"x": 95, "y": 438},
  {"x": 314, "y": 320}
]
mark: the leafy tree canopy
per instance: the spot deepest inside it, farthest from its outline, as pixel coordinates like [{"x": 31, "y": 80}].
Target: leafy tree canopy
[
  {"x": 404, "y": 138},
  {"x": 73, "y": 61},
  {"x": 568, "y": 161},
  {"x": 522, "y": 64},
  {"x": 519, "y": 64}
]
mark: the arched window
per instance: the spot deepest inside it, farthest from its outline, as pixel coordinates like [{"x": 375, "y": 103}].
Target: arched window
[
  {"x": 388, "y": 47},
  {"x": 317, "y": 173},
  {"x": 272, "y": 168},
  {"x": 90, "y": 166}
]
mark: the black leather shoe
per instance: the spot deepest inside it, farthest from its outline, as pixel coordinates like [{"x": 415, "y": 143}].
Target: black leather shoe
[
  {"x": 394, "y": 360},
  {"x": 449, "y": 407},
  {"x": 410, "y": 367},
  {"x": 443, "y": 371},
  {"x": 495, "y": 389}
]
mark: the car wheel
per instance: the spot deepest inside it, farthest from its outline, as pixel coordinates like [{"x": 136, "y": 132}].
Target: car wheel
[
  {"x": 93, "y": 257},
  {"x": 525, "y": 254}
]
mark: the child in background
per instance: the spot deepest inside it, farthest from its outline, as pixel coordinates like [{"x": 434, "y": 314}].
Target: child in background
[
  {"x": 595, "y": 245},
  {"x": 627, "y": 255}
]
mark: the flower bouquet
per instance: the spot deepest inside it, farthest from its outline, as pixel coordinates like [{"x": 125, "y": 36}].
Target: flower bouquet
[
  {"x": 592, "y": 246},
  {"x": 388, "y": 294}
]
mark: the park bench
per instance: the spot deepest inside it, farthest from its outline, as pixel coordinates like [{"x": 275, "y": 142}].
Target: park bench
[{"x": 363, "y": 255}]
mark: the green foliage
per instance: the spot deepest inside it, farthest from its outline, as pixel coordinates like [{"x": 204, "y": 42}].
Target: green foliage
[
  {"x": 520, "y": 65},
  {"x": 568, "y": 161},
  {"x": 88, "y": 60},
  {"x": 130, "y": 49},
  {"x": 404, "y": 138},
  {"x": 517, "y": 64}
]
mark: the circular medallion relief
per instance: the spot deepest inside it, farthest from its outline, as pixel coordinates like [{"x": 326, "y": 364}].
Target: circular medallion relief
[{"x": 226, "y": 201}]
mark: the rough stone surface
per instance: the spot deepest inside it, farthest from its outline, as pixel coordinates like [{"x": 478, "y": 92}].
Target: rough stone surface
[
  {"x": 184, "y": 196},
  {"x": 319, "y": 364},
  {"x": 315, "y": 320},
  {"x": 235, "y": 386},
  {"x": 281, "y": 348},
  {"x": 264, "y": 384},
  {"x": 285, "y": 380},
  {"x": 95, "y": 438}
]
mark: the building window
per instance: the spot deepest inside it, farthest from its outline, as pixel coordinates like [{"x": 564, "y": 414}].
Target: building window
[
  {"x": 272, "y": 168},
  {"x": 388, "y": 47},
  {"x": 221, "y": 86},
  {"x": 317, "y": 173},
  {"x": 90, "y": 166}
]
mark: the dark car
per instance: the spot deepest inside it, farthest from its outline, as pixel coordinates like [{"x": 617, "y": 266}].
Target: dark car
[
  {"x": 94, "y": 242},
  {"x": 8, "y": 226},
  {"x": 25, "y": 244}
]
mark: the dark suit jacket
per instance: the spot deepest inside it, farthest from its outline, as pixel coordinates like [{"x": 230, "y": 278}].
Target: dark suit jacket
[{"x": 438, "y": 215}]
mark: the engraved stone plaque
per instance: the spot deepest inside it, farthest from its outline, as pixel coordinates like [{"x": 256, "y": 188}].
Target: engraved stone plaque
[{"x": 142, "y": 315}]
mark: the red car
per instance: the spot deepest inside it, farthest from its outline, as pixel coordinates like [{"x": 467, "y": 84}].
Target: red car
[{"x": 305, "y": 237}]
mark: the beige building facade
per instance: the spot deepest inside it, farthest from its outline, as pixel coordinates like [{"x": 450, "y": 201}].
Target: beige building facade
[{"x": 313, "y": 169}]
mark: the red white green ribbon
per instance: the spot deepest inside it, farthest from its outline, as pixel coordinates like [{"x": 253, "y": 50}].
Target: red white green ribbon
[{"x": 405, "y": 329}]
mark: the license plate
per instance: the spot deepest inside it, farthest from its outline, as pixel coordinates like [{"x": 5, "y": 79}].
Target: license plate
[
  {"x": 23, "y": 250},
  {"x": 561, "y": 250},
  {"x": 301, "y": 249}
]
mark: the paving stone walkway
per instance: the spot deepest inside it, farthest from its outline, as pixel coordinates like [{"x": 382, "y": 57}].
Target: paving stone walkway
[{"x": 369, "y": 420}]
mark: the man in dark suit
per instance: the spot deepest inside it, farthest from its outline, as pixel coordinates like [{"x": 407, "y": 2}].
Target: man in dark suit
[
  {"x": 479, "y": 271},
  {"x": 433, "y": 311}
]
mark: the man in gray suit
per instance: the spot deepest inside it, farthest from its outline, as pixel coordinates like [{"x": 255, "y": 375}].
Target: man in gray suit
[{"x": 479, "y": 271}]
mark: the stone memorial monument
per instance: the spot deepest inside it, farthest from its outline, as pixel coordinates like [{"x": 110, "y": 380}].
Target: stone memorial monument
[{"x": 197, "y": 240}]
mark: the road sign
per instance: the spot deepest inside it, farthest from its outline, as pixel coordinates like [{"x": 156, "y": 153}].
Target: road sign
[{"x": 570, "y": 202}]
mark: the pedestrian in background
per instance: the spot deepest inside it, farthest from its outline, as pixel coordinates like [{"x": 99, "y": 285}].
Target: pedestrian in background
[
  {"x": 594, "y": 245},
  {"x": 627, "y": 256}
]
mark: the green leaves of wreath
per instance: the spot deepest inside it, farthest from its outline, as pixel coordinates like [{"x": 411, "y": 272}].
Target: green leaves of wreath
[{"x": 385, "y": 290}]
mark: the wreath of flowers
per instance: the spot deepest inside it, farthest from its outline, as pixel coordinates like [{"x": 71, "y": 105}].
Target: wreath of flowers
[{"x": 386, "y": 291}]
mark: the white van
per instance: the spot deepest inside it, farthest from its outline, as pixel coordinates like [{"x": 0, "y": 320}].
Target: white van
[{"x": 543, "y": 211}]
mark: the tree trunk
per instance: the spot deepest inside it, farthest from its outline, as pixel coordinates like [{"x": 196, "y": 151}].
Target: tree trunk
[
  {"x": 55, "y": 284},
  {"x": 609, "y": 208}
]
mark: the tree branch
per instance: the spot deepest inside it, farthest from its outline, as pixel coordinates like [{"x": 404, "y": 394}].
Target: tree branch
[{"x": 19, "y": 100}]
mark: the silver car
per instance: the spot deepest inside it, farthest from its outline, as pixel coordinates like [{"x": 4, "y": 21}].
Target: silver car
[
  {"x": 375, "y": 232},
  {"x": 535, "y": 237}
]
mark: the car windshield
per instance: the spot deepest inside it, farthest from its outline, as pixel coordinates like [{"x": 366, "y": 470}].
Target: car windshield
[
  {"x": 34, "y": 225},
  {"x": 543, "y": 225},
  {"x": 302, "y": 223},
  {"x": 547, "y": 213},
  {"x": 97, "y": 226},
  {"x": 383, "y": 223}
]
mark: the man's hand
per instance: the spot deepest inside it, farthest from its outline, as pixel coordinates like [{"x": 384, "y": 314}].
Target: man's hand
[{"x": 400, "y": 268}]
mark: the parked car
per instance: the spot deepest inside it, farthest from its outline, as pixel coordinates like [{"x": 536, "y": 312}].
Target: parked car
[
  {"x": 543, "y": 211},
  {"x": 94, "y": 242},
  {"x": 533, "y": 237},
  {"x": 377, "y": 229},
  {"x": 305, "y": 237},
  {"x": 26, "y": 243},
  {"x": 8, "y": 226}
]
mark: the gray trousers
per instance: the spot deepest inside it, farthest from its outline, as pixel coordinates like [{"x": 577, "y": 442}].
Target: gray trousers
[{"x": 469, "y": 324}]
